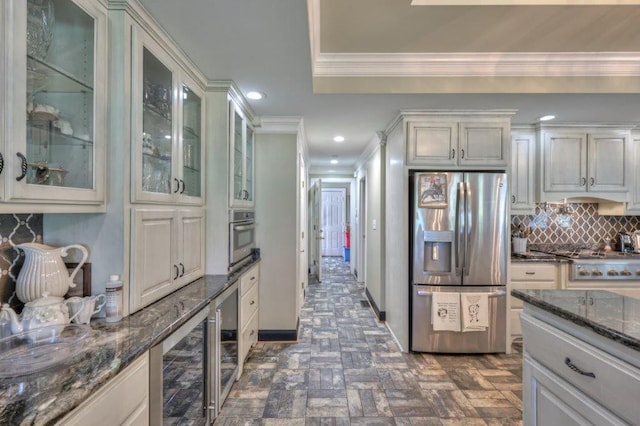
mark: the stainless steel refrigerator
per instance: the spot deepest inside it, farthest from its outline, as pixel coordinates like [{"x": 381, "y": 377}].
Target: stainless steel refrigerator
[{"x": 459, "y": 245}]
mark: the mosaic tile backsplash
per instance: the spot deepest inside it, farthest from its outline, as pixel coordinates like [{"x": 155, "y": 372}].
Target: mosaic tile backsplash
[
  {"x": 15, "y": 229},
  {"x": 574, "y": 223}
]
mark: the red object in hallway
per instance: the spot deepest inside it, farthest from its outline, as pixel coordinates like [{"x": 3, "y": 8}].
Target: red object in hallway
[{"x": 347, "y": 239}]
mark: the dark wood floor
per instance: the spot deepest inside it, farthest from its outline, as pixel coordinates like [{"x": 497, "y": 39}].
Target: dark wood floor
[{"x": 346, "y": 370}]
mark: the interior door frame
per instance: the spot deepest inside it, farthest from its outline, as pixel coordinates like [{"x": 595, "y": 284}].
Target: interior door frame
[
  {"x": 343, "y": 217},
  {"x": 362, "y": 227},
  {"x": 315, "y": 229}
]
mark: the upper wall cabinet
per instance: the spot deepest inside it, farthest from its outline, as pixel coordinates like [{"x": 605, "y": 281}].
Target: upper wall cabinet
[
  {"x": 523, "y": 144},
  {"x": 53, "y": 103},
  {"x": 167, "y": 127},
  {"x": 588, "y": 162},
  {"x": 241, "y": 164},
  {"x": 460, "y": 141}
]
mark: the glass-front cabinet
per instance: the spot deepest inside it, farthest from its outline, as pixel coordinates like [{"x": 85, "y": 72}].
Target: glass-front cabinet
[
  {"x": 241, "y": 161},
  {"x": 167, "y": 127},
  {"x": 54, "y": 101}
]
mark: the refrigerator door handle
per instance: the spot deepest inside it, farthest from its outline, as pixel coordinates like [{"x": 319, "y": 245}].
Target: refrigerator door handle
[
  {"x": 467, "y": 228},
  {"x": 498, "y": 293},
  {"x": 459, "y": 229}
]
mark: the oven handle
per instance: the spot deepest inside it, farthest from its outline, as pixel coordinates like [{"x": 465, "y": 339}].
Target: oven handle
[{"x": 244, "y": 227}]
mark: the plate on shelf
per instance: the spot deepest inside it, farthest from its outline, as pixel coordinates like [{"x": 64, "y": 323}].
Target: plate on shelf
[{"x": 40, "y": 348}]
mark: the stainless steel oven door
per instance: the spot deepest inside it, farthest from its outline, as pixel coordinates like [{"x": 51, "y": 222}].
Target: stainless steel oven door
[
  {"x": 242, "y": 236},
  {"x": 179, "y": 371}
]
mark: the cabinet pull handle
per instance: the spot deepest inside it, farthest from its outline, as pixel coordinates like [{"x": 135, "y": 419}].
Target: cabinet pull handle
[
  {"x": 23, "y": 166},
  {"x": 453, "y": 153},
  {"x": 1, "y": 163},
  {"x": 592, "y": 181},
  {"x": 177, "y": 272},
  {"x": 572, "y": 366},
  {"x": 530, "y": 273},
  {"x": 252, "y": 333},
  {"x": 253, "y": 302},
  {"x": 253, "y": 278},
  {"x": 183, "y": 186},
  {"x": 584, "y": 181},
  {"x": 181, "y": 269},
  {"x": 462, "y": 153},
  {"x": 177, "y": 185},
  {"x": 513, "y": 199}
]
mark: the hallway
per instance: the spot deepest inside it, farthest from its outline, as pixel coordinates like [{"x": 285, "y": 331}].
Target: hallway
[{"x": 346, "y": 369}]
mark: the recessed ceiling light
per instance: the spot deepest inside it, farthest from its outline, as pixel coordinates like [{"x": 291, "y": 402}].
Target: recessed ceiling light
[
  {"x": 167, "y": 136},
  {"x": 547, "y": 117},
  {"x": 332, "y": 171},
  {"x": 338, "y": 138},
  {"x": 334, "y": 161},
  {"x": 256, "y": 96}
]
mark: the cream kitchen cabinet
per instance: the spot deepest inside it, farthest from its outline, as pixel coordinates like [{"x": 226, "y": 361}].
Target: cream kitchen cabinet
[
  {"x": 523, "y": 151},
  {"x": 53, "y": 104},
  {"x": 167, "y": 127},
  {"x": 529, "y": 275},
  {"x": 458, "y": 140},
  {"x": 249, "y": 313},
  {"x": 631, "y": 207},
  {"x": 241, "y": 164},
  {"x": 124, "y": 400},
  {"x": 167, "y": 252},
  {"x": 577, "y": 382},
  {"x": 588, "y": 162}
]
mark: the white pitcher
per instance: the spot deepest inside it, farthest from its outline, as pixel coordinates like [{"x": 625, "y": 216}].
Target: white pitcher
[{"x": 44, "y": 271}]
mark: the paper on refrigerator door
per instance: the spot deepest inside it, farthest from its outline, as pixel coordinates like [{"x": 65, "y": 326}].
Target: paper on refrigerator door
[
  {"x": 475, "y": 311},
  {"x": 445, "y": 311}
]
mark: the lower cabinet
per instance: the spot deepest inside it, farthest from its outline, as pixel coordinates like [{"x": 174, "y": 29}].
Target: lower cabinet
[
  {"x": 569, "y": 381},
  {"x": 249, "y": 313},
  {"x": 528, "y": 275},
  {"x": 122, "y": 401},
  {"x": 167, "y": 252}
]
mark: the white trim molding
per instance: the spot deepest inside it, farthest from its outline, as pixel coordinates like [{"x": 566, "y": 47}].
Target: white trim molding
[
  {"x": 279, "y": 125},
  {"x": 490, "y": 64},
  {"x": 524, "y": 2}
]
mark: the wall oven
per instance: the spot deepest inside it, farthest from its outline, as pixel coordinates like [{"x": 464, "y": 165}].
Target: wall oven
[{"x": 242, "y": 237}]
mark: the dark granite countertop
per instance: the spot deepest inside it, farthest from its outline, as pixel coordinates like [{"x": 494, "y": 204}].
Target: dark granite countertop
[
  {"x": 610, "y": 315},
  {"x": 537, "y": 257},
  {"x": 43, "y": 398}
]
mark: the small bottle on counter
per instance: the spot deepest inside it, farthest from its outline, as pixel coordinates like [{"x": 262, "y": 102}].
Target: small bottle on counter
[{"x": 113, "y": 292}]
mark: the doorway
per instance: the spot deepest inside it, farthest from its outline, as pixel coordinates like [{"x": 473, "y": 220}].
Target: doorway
[
  {"x": 333, "y": 220},
  {"x": 362, "y": 228}
]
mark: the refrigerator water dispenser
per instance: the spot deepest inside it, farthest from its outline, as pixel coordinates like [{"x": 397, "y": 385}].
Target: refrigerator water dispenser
[{"x": 437, "y": 251}]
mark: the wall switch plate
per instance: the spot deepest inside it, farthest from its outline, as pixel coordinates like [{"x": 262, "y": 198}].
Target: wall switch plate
[{"x": 374, "y": 224}]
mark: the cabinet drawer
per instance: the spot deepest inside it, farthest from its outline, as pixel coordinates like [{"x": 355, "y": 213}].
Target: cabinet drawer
[
  {"x": 530, "y": 272},
  {"x": 249, "y": 278},
  {"x": 249, "y": 305},
  {"x": 615, "y": 383}
]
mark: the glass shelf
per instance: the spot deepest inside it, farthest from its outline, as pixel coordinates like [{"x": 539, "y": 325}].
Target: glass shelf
[
  {"x": 157, "y": 113},
  {"x": 191, "y": 169},
  {"x": 45, "y": 77},
  {"x": 161, "y": 158},
  {"x": 190, "y": 134},
  {"x": 46, "y": 136}
]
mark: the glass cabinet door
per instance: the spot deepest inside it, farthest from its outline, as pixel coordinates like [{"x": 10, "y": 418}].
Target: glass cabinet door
[
  {"x": 191, "y": 143},
  {"x": 238, "y": 173},
  {"x": 157, "y": 125},
  {"x": 248, "y": 171},
  {"x": 62, "y": 145}
]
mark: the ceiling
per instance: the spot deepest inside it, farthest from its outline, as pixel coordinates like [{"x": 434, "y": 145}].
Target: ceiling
[{"x": 349, "y": 67}]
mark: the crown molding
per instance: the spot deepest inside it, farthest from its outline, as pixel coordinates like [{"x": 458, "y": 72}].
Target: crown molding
[
  {"x": 491, "y": 64},
  {"x": 279, "y": 125}
]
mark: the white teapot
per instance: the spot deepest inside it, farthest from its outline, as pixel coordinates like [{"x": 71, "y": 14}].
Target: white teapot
[
  {"x": 43, "y": 312},
  {"x": 44, "y": 270}
]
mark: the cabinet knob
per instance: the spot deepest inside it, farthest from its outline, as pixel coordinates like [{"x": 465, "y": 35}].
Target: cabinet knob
[{"x": 253, "y": 302}]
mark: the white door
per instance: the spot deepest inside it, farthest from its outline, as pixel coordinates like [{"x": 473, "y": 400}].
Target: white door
[
  {"x": 362, "y": 225},
  {"x": 315, "y": 237},
  {"x": 333, "y": 220},
  {"x": 302, "y": 259}
]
